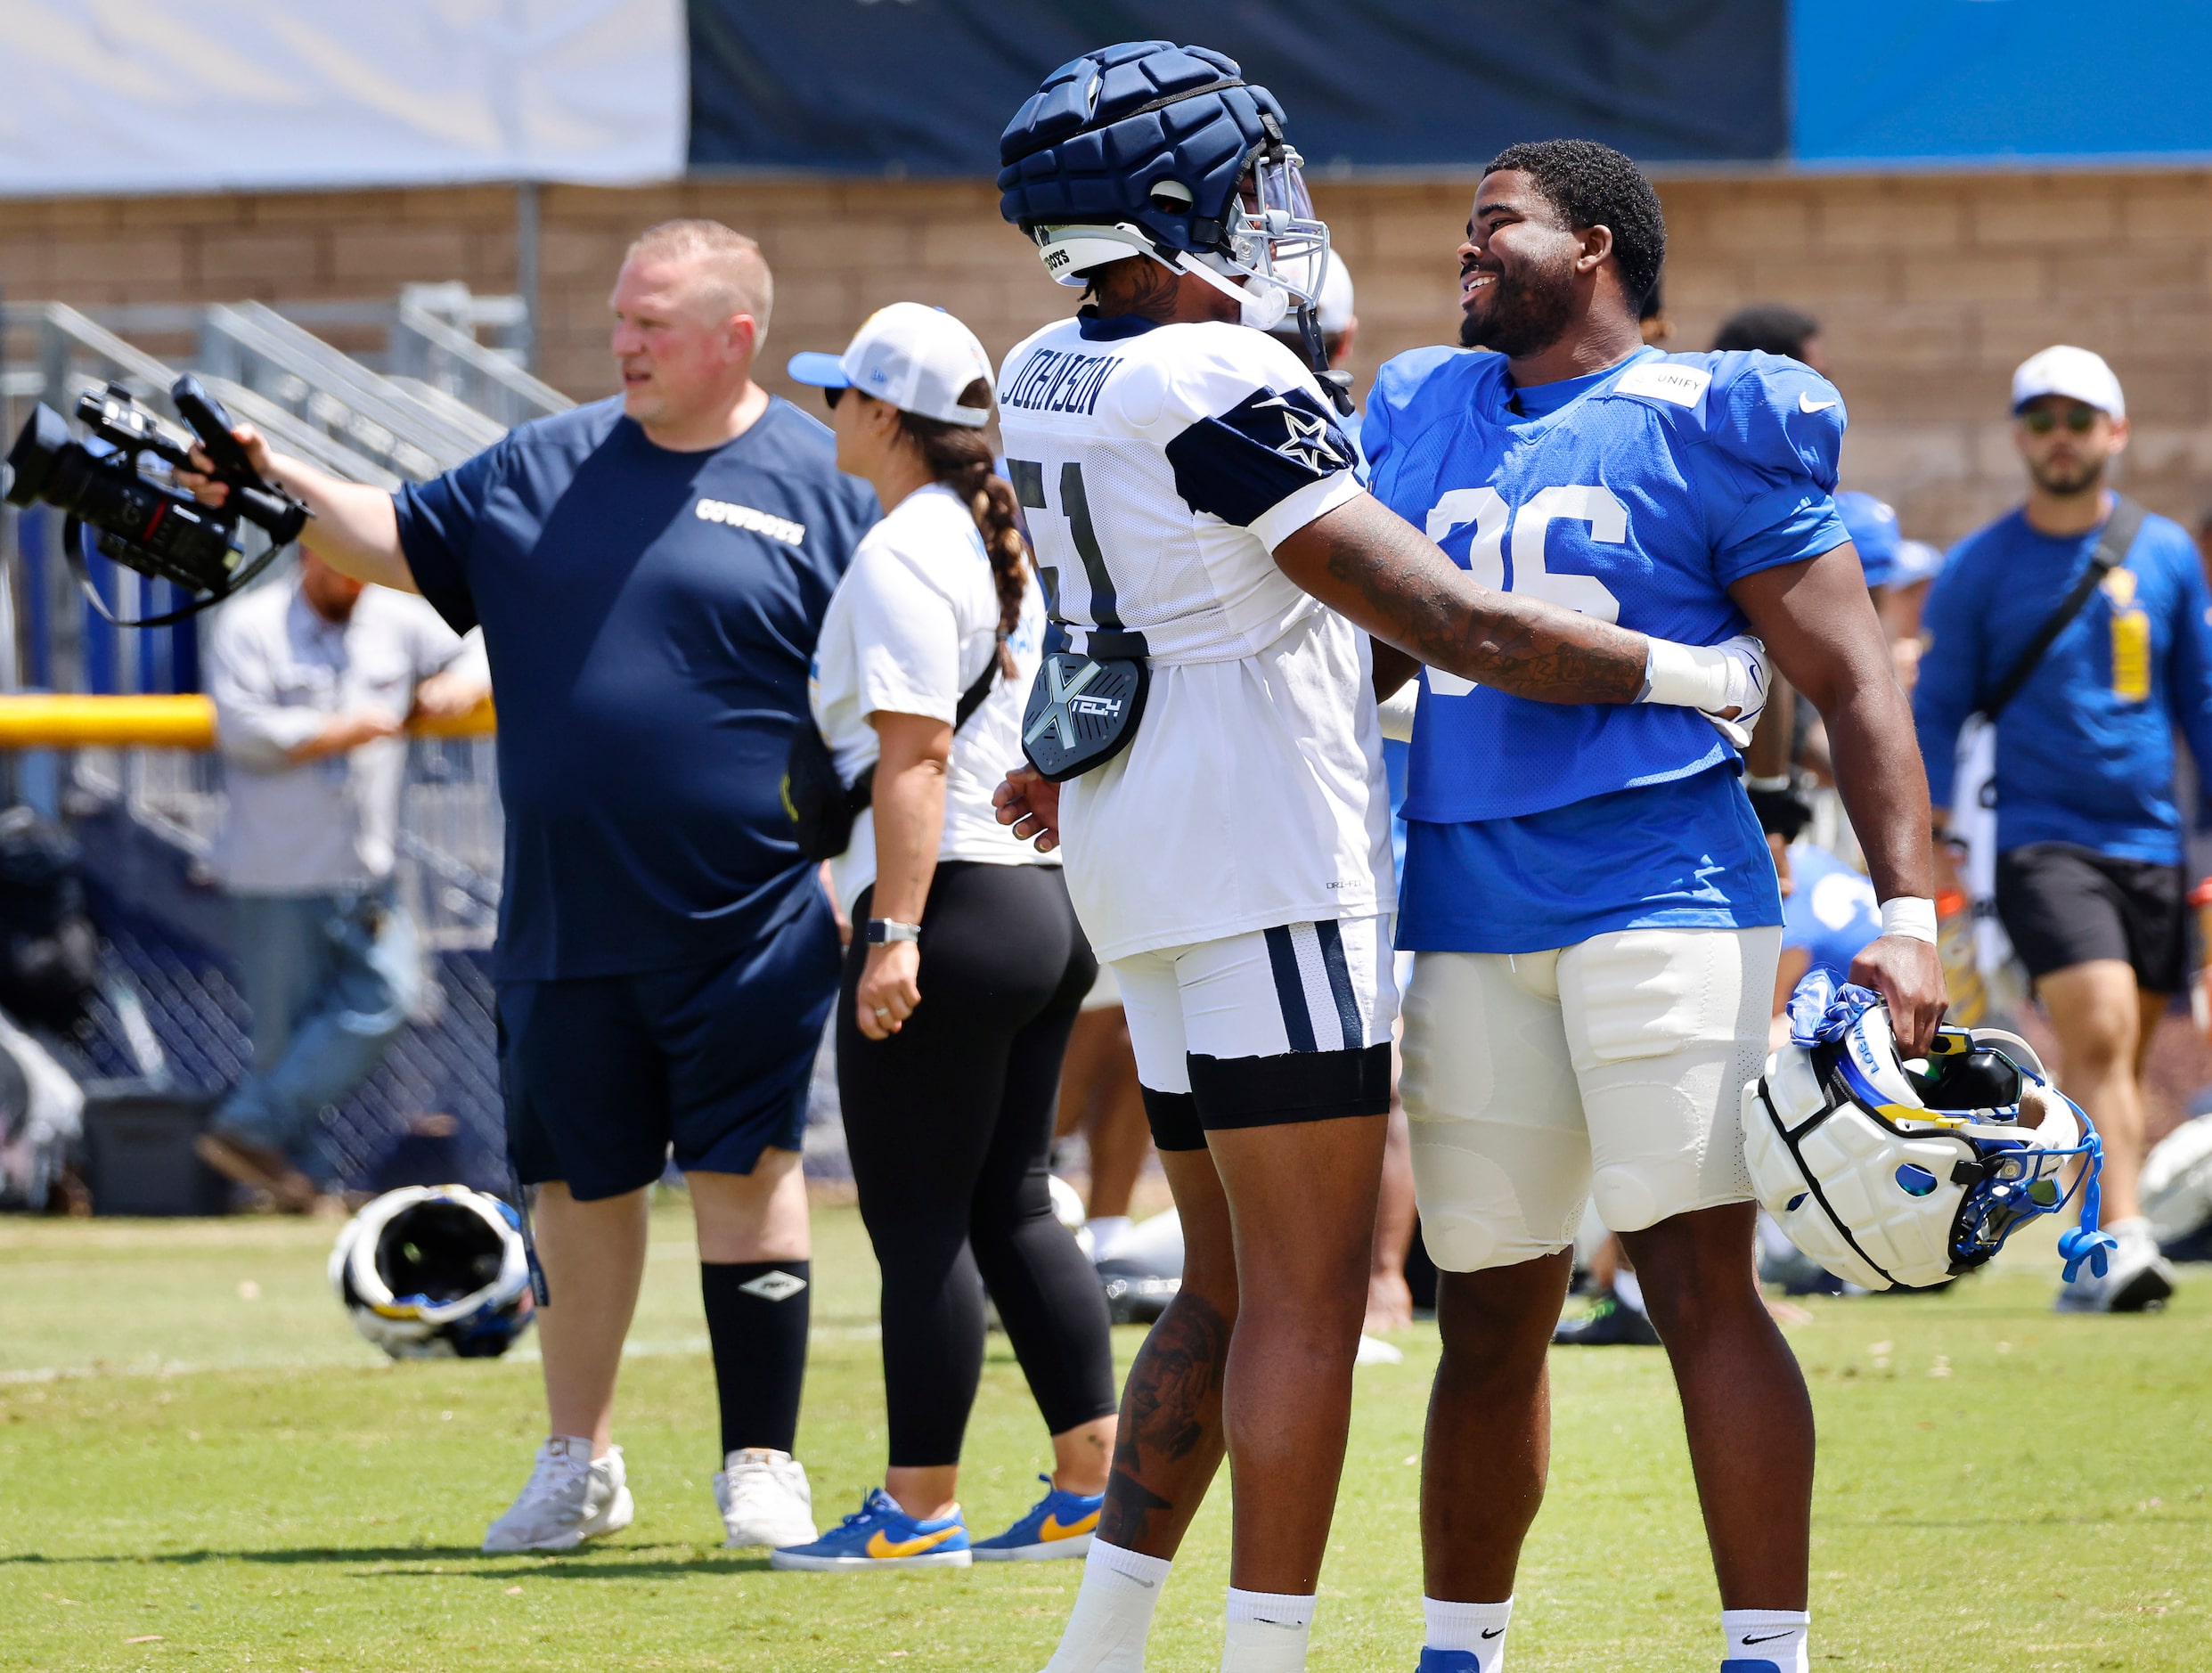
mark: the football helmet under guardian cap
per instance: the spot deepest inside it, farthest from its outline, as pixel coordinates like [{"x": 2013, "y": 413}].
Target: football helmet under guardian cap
[
  {"x": 1164, "y": 150},
  {"x": 1904, "y": 1172},
  {"x": 435, "y": 1271}
]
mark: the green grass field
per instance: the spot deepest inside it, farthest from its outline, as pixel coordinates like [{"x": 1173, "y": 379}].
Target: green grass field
[{"x": 201, "y": 1465}]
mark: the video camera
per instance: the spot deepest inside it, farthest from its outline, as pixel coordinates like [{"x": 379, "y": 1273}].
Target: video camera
[{"x": 142, "y": 521}]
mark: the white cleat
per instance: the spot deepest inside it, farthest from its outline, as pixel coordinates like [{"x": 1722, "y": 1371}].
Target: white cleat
[
  {"x": 766, "y": 1499},
  {"x": 2137, "y": 1279},
  {"x": 570, "y": 1497}
]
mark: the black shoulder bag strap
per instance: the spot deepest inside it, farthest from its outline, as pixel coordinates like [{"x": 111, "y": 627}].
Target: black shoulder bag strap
[
  {"x": 2120, "y": 530},
  {"x": 973, "y": 698}
]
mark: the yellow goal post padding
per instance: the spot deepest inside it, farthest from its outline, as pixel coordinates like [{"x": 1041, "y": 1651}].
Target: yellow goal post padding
[{"x": 158, "y": 722}]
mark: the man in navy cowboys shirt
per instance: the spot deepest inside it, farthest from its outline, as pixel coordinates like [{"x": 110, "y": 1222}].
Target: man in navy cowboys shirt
[
  {"x": 1590, "y": 900},
  {"x": 651, "y": 572}
]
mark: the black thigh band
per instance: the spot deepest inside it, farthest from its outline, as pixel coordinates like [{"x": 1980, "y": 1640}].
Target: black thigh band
[
  {"x": 1173, "y": 1117},
  {"x": 1298, "y": 1086}
]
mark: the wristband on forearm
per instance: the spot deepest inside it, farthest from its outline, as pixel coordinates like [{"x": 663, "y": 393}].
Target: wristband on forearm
[
  {"x": 1685, "y": 676},
  {"x": 1911, "y": 917}
]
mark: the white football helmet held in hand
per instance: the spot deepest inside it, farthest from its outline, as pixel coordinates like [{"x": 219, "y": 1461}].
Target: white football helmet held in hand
[
  {"x": 1896, "y": 1172},
  {"x": 435, "y": 1271}
]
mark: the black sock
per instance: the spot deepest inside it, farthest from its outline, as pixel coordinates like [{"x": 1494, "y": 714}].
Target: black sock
[{"x": 757, "y": 1319}]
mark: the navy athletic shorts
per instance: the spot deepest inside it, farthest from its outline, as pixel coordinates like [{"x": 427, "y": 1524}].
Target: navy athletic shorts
[{"x": 602, "y": 1074}]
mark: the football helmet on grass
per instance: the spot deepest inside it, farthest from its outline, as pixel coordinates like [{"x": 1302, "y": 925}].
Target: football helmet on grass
[{"x": 435, "y": 1271}]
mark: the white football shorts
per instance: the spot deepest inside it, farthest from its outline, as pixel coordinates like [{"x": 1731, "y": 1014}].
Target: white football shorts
[
  {"x": 1285, "y": 1024},
  {"x": 1613, "y": 1070}
]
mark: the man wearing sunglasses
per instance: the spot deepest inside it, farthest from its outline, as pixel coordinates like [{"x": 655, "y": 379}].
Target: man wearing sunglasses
[{"x": 2089, "y": 879}]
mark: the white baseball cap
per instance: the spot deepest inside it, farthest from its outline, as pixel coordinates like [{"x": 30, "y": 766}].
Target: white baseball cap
[
  {"x": 2076, "y": 373},
  {"x": 920, "y": 359}
]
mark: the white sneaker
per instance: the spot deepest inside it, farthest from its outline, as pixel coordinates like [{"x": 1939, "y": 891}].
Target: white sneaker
[
  {"x": 570, "y": 1497},
  {"x": 765, "y": 1498},
  {"x": 2137, "y": 1279}
]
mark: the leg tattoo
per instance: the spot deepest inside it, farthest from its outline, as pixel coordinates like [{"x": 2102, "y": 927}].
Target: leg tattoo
[{"x": 1169, "y": 1443}]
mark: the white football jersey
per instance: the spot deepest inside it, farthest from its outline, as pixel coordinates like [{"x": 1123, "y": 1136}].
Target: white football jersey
[{"x": 1160, "y": 466}]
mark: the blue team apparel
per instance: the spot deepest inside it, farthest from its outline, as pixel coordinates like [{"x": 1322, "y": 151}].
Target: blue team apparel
[
  {"x": 880, "y": 1534},
  {"x": 1639, "y": 494},
  {"x": 1831, "y": 911},
  {"x": 1873, "y": 526},
  {"x": 1060, "y": 1524},
  {"x": 649, "y": 616},
  {"x": 2085, "y": 752}
]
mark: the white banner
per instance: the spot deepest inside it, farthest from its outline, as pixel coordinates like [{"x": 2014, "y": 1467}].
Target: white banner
[{"x": 155, "y": 95}]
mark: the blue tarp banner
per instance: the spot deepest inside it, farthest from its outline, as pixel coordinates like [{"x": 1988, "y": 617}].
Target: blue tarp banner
[
  {"x": 1993, "y": 80},
  {"x": 924, "y": 86}
]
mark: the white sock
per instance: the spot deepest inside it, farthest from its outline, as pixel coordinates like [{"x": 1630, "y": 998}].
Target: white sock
[
  {"x": 1267, "y": 1632},
  {"x": 1106, "y": 1629},
  {"x": 1752, "y": 1640},
  {"x": 1477, "y": 1629},
  {"x": 1105, "y": 1229},
  {"x": 1627, "y": 1290}
]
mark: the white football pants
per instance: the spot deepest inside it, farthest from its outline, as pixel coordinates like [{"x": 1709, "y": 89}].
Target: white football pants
[{"x": 1613, "y": 1070}]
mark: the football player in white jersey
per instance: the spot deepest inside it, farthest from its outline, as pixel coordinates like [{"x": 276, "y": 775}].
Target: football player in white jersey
[{"x": 1211, "y": 560}]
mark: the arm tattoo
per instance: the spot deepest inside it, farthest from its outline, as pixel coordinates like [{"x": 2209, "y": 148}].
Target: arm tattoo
[
  {"x": 1169, "y": 1441},
  {"x": 1417, "y": 600}
]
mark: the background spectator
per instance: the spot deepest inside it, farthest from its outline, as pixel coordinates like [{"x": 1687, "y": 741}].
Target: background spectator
[
  {"x": 1775, "y": 328},
  {"x": 313, "y": 679},
  {"x": 2089, "y": 883}
]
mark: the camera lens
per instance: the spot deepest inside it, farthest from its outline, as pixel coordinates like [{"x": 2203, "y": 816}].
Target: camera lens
[{"x": 38, "y": 446}]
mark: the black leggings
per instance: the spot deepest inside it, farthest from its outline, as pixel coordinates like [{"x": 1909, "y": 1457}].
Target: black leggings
[{"x": 950, "y": 1127}]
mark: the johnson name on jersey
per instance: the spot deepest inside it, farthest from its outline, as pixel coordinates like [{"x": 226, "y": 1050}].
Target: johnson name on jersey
[
  {"x": 1160, "y": 466},
  {"x": 1637, "y": 494}
]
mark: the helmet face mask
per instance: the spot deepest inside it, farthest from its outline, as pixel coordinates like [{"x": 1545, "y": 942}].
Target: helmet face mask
[{"x": 1896, "y": 1172}]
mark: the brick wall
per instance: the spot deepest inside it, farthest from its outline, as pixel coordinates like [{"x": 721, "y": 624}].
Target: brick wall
[{"x": 1931, "y": 287}]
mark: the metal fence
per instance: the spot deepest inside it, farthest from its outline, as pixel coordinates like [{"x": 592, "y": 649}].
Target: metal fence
[{"x": 170, "y": 1009}]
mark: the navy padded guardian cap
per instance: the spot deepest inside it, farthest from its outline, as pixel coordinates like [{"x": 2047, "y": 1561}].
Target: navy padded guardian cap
[{"x": 1090, "y": 146}]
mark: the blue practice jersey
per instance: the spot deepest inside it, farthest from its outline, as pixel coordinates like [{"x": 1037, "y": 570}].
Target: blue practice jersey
[
  {"x": 1831, "y": 911},
  {"x": 1637, "y": 494}
]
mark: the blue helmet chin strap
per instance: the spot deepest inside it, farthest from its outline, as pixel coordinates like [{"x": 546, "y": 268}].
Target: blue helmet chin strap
[
  {"x": 1820, "y": 1011},
  {"x": 2088, "y": 1242}
]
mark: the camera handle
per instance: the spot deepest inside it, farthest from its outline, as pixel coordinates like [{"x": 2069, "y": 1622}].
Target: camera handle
[{"x": 73, "y": 549}]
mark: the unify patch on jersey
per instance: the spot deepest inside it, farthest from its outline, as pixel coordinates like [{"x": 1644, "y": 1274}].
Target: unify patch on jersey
[
  {"x": 745, "y": 516},
  {"x": 1662, "y": 381},
  {"x": 1053, "y": 380}
]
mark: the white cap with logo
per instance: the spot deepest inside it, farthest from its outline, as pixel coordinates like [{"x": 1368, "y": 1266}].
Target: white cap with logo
[
  {"x": 2076, "y": 373},
  {"x": 918, "y": 359}
]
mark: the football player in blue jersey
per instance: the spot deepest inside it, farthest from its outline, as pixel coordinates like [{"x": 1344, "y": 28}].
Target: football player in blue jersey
[{"x": 1593, "y": 908}]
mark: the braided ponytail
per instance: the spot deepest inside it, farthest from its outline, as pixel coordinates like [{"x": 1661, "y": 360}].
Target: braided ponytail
[{"x": 958, "y": 456}]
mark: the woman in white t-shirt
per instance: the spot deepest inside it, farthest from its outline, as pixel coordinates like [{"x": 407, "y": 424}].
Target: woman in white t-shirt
[{"x": 968, "y": 968}]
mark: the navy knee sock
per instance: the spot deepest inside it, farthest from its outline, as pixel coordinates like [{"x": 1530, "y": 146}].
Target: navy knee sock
[{"x": 756, "y": 1319}]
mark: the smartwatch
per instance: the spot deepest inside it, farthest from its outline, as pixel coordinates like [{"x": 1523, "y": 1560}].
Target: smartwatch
[{"x": 882, "y": 931}]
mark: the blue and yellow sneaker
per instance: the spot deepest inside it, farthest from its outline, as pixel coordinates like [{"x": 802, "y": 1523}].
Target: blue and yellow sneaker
[
  {"x": 1057, "y": 1526},
  {"x": 880, "y": 1534}
]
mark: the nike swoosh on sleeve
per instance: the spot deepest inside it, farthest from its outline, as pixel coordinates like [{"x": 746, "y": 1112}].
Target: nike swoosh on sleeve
[{"x": 1806, "y": 404}]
